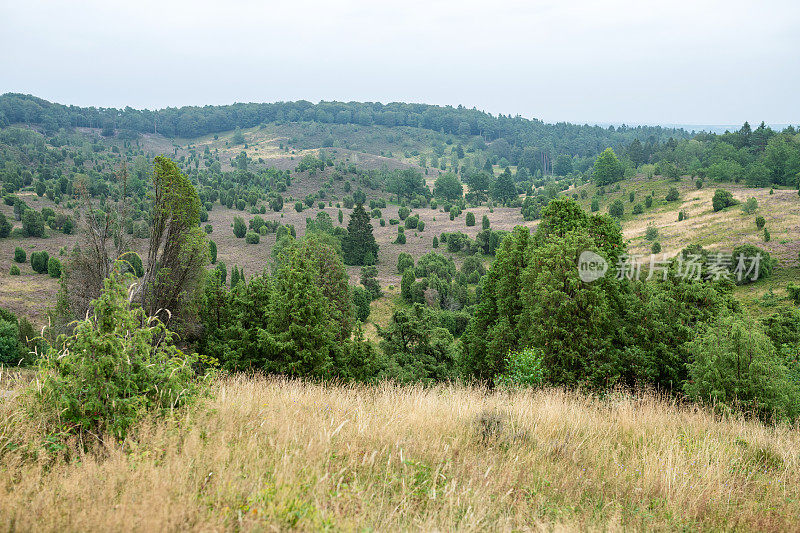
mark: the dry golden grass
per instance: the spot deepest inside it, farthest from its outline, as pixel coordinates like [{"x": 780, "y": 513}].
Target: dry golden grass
[
  {"x": 722, "y": 230},
  {"x": 271, "y": 454}
]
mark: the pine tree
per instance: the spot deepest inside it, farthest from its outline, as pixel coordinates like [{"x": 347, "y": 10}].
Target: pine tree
[{"x": 359, "y": 243}]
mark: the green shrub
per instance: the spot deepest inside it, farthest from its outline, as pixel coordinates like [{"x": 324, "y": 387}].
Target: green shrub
[
  {"x": 361, "y": 301},
  {"x": 208, "y": 228},
  {"x": 403, "y": 212},
  {"x": 617, "y": 209},
  {"x": 760, "y": 222},
  {"x": 32, "y": 224},
  {"x": 638, "y": 209},
  {"x": 19, "y": 255},
  {"x": 767, "y": 236},
  {"x": 54, "y": 267},
  {"x": 9, "y": 335},
  {"x": 411, "y": 222},
  {"x": 116, "y": 367},
  {"x": 239, "y": 227},
  {"x": 722, "y": 199},
  {"x": 523, "y": 368},
  {"x": 656, "y": 248},
  {"x": 747, "y": 253},
  {"x": 470, "y": 218},
  {"x": 404, "y": 261},
  {"x": 421, "y": 225},
  {"x": 648, "y": 201},
  {"x": 672, "y": 195},
  {"x": 5, "y": 226},
  {"x": 39, "y": 262},
  {"x": 794, "y": 293},
  {"x": 252, "y": 238},
  {"x": 221, "y": 272},
  {"x": 407, "y": 283},
  {"x": 734, "y": 366},
  {"x": 369, "y": 279},
  {"x": 595, "y": 205},
  {"x": 651, "y": 233},
  {"x": 14, "y": 271},
  {"x": 473, "y": 264},
  {"x": 212, "y": 251},
  {"x": 750, "y": 206}
]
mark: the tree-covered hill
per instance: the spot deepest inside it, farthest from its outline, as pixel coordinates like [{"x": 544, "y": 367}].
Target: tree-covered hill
[{"x": 190, "y": 121}]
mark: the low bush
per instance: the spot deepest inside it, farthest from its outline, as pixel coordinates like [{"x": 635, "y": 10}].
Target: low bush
[
  {"x": 54, "y": 267},
  {"x": 524, "y": 368},
  {"x": 722, "y": 199},
  {"x": 116, "y": 367},
  {"x": 39, "y": 262},
  {"x": 750, "y": 206}
]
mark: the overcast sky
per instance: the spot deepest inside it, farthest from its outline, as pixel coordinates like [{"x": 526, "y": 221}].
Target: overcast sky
[{"x": 634, "y": 61}]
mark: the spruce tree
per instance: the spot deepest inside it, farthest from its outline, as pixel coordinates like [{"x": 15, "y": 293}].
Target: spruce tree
[{"x": 359, "y": 243}]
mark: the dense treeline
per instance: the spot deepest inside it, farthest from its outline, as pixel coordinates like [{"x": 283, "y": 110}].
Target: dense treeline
[
  {"x": 188, "y": 122},
  {"x": 758, "y": 157}
]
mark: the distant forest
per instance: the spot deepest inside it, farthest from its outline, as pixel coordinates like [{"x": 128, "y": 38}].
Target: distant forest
[{"x": 188, "y": 122}]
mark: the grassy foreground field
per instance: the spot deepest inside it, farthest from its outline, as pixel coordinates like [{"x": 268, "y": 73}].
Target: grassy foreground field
[{"x": 270, "y": 454}]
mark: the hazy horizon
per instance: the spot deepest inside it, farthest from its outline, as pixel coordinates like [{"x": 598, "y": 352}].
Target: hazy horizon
[{"x": 700, "y": 63}]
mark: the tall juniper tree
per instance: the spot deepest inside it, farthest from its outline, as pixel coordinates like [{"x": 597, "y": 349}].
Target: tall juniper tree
[{"x": 359, "y": 246}]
